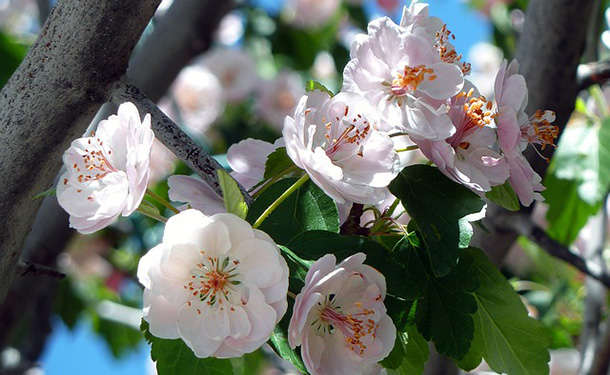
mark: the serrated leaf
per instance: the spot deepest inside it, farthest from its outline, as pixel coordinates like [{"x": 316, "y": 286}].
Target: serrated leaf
[
  {"x": 280, "y": 344},
  {"x": 277, "y": 163},
  {"x": 512, "y": 342},
  {"x": 442, "y": 211},
  {"x": 415, "y": 354},
  {"x": 314, "y": 85},
  {"x": 232, "y": 196},
  {"x": 504, "y": 195},
  {"x": 473, "y": 358},
  {"x": 173, "y": 357},
  {"x": 444, "y": 313},
  {"x": 46, "y": 193},
  {"x": 309, "y": 208}
]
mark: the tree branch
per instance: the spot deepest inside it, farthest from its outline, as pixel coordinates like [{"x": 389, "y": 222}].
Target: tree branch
[
  {"x": 595, "y": 73},
  {"x": 521, "y": 224},
  {"x": 174, "y": 138}
]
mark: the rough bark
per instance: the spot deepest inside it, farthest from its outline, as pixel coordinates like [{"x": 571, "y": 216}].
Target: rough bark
[
  {"x": 553, "y": 39},
  {"x": 81, "y": 51},
  {"x": 185, "y": 32}
]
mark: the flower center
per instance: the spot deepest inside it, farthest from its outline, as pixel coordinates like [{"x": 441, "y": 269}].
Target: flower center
[
  {"x": 539, "y": 129},
  {"x": 353, "y": 133},
  {"x": 95, "y": 163},
  {"x": 357, "y": 328},
  {"x": 477, "y": 114},
  {"x": 213, "y": 280},
  {"x": 410, "y": 78},
  {"x": 446, "y": 53}
]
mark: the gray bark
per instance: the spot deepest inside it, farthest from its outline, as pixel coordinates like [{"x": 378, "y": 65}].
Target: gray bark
[
  {"x": 81, "y": 51},
  {"x": 553, "y": 40}
]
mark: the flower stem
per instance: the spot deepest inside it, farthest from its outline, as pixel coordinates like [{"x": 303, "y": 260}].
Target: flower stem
[
  {"x": 152, "y": 216},
  {"x": 273, "y": 179},
  {"x": 280, "y": 199},
  {"x": 410, "y": 148},
  {"x": 160, "y": 199}
]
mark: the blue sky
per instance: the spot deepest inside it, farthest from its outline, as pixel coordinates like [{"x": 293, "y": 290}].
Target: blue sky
[{"x": 86, "y": 353}]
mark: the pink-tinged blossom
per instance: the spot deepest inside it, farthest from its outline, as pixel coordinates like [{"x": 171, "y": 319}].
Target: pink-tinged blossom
[
  {"x": 338, "y": 142},
  {"x": 403, "y": 76},
  {"x": 196, "y": 193},
  {"x": 310, "y": 14},
  {"x": 107, "y": 173},
  {"x": 416, "y": 18},
  {"x": 339, "y": 318},
  {"x": 196, "y": 100},
  {"x": 279, "y": 97},
  {"x": 247, "y": 159},
  {"x": 469, "y": 156},
  {"x": 236, "y": 71},
  {"x": 516, "y": 130},
  {"x": 215, "y": 283}
]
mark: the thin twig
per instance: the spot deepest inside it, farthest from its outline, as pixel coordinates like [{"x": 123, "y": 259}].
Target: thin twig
[
  {"x": 25, "y": 267},
  {"x": 173, "y": 137},
  {"x": 521, "y": 224}
]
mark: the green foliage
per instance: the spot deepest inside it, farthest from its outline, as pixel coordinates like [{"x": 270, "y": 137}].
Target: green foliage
[
  {"x": 173, "y": 357},
  {"x": 278, "y": 162},
  {"x": 47, "y": 193},
  {"x": 504, "y": 195},
  {"x": 505, "y": 336},
  {"x": 232, "y": 196},
  {"x": 444, "y": 313},
  {"x": 413, "y": 351},
  {"x": 11, "y": 54},
  {"x": 279, "y": 342},
  {"x": 121, "y": 339},
  {"x": 314, "y": 85},
  {"x": 441, "y": 209},
  {"x": 578, "y": 179},
  {"x": 309, "y": 208},
  {"x": 67, "y": 303}
]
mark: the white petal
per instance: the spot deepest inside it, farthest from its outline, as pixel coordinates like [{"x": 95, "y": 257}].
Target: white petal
[{"x": 191, "y": 329}]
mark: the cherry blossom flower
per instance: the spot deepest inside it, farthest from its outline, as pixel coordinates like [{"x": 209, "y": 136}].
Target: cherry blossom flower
[
  {"x": 279, "y": 97},
  {"x": 197, "y": 99},
  {"x": 310, "y": 14},
  {"x": 107, "y": 173},
  {"x": 214, "y": 282},
  {"x": 469, "y": 156},
  {"x": 236, "y": 71},
  {"x": 338, "y": 141},
  {"x": 404, "y": 77},
  {"x": 516, "y": 130},
  {"x": 339, "y": 318},
  {"x": 416, "y": 19}
]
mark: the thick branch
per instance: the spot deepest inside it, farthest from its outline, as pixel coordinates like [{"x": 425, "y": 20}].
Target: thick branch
[
  {"x": 72, "y": 60},
  {"x": 184, "y": 32},
  {"x": 174, "y": 138}
]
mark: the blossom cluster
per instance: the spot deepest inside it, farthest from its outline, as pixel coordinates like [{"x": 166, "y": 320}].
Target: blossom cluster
[{"x": 221, "y": 285}]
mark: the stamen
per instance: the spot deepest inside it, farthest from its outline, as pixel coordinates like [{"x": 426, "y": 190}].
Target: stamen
[
  {"x": 447, "y": 54},
  {"x": 410, "y": 79},
  {"x": 539, "y": 129}
]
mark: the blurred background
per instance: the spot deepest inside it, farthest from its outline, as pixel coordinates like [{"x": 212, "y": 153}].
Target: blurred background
[{"x": 246, "y": 81}]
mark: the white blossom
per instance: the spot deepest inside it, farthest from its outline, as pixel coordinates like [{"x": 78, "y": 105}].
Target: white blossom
[
  {"x": 236, "y": 71},
  {"x": 338, "y": 141},
  {"x": 279, "y": 97},
  {"x": 107, "y": 173},
  {"x": 214, "y": 282},
  {"x": 339, "y": 318}
]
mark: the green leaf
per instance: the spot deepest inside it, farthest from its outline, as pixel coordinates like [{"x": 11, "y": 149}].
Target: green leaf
[
  {"x": 46, "y": 193},
  {"x": 309, "y": 208},
  {"x": 279, "y": 342},
  {"x": 11, "y": 54},
  {"x": 442, "y": 211},
  {"x": 444, "y": 313},
  {"x": 173, "y": 357},
  {"x": 278, "y": 162},
  {"x": 512, "y": 342},
  {"x": 315, "y": 85},
  {"x": 232, "y": 196},
  {"x": 415, "y": 354},
  {"x": 67, "y": 303},
  {"x": 473, "y": 358},
  {"x": 504, "y": 195}
]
